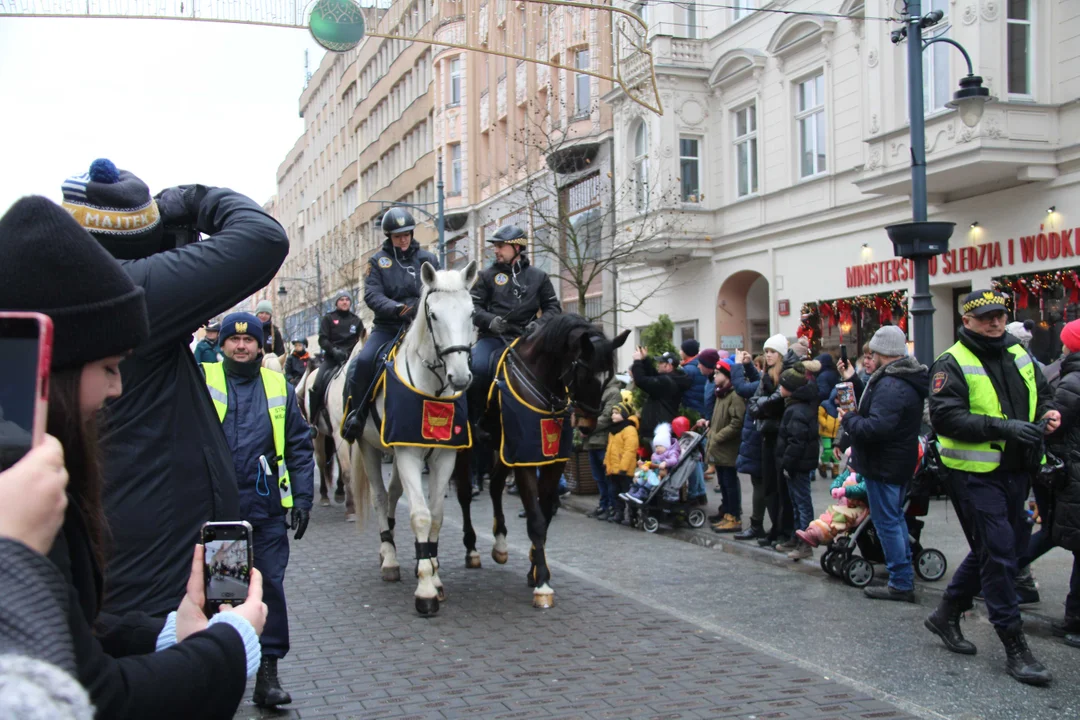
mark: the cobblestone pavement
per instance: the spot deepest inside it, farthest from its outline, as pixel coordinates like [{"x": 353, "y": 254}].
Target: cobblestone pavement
[
  {"x": 359, "y": 650},
  {"x": 644, "y": 626}
]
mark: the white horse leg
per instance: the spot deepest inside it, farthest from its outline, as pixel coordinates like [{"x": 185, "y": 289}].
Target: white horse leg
[
  {"x": 441, "y": 463},
  {"x": 410, "y": 465}
]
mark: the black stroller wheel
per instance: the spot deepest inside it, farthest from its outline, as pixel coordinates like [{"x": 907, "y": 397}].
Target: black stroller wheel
[
  {"x": 826, "y": 560},
  {"x": 858, "y": 572},
  {"x": 650, "y": 524},
  {"x": 836, "y": 564},
  {"x": 696, "y": 518},
  {"x": 930, "y": 564}
]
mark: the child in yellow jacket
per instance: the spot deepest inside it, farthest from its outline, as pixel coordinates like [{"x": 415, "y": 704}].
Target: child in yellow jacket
[{"x": 620, "y": 460}]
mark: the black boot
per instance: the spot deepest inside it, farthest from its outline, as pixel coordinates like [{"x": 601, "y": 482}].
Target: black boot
[
  {"x": 1069, "y": 626},
  {"x": 945, "y": 623},
  {"x": 268, "y": 692},
  {"x": 1019, "y": 662},
  {"x": 753, "y": 532},
  {"x": 353, "y": 427}
]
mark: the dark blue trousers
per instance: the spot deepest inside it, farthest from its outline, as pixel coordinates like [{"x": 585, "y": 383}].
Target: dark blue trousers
[
  {"x": 271, "y": 550},
  {"x": 482, "y": 363},
  {"x": 363, "y": 369},
  {"x": 993, "y": 509}
]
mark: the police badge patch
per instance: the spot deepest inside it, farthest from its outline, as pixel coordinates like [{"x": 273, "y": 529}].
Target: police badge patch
[
  {"x": 501, "y": 279},
  {"x": 385, "y": 262},
  {"x": 939, "y": 381}
]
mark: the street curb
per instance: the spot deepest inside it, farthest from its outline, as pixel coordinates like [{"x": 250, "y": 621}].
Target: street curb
[{"x": 927, "y": 595}]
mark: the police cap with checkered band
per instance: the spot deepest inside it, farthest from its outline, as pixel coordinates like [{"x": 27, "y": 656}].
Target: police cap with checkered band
[
  {"x": 511, "y": 235},
  {"x": 982, "y": 302}
]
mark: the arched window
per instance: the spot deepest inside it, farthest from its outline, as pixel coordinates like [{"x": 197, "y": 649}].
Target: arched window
[{"x": 641, "y": 167}]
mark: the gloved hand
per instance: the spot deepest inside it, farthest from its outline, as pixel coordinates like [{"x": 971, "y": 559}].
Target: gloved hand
[
  {"x": 498, "y": 325},
  {"x": 298, "y": 520},
  {"x": 1019, "y": 431},
  {"x": 339, "y": 355},
  {"x": 180, "y": 205},
  {"x": 532, "y": 327},
  {"x": 408, "y": 312}
]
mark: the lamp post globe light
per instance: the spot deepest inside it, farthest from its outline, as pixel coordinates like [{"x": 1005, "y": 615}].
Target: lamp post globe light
[{"x": 920, "y": 240}]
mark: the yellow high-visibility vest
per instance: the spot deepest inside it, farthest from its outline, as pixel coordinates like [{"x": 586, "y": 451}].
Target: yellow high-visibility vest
[
  {"x": 275, "y": 387},
  {"x": 984, "y": 457}
]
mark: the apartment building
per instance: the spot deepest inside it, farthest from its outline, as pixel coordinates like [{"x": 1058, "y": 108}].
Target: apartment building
[
  {"x": 367, "y": 141},
  {"x": 524, "y": 142},
  {"x": 786, "y": 140}
]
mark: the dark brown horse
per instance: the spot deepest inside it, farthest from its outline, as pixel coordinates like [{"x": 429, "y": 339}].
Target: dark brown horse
[{"x": 564, "y": 365}]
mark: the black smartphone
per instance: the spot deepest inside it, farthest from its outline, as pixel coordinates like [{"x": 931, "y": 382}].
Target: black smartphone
[
  {"x": 25, "y": 362},
  {"x": 227, "y": 563},
  {"x": 843, "y": 353}
]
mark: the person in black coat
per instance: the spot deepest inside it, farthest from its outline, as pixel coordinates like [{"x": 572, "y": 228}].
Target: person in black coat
[
  {"x": 797, "y": 447},
  {"x": 392, "y": 289},
  {"x": 746, "y": 379},
  {"x": 509, "y": 298},
  {"x": 134, "y": 666},
  {"x": 663, "y": 384},
  {"x": 884, "y": 438},
  {"x": 297, "y": 362},
  {"x": 339, "y": 331},
  {"x": 165, "y": 459},
  {"x": 1059, "y": 506}
]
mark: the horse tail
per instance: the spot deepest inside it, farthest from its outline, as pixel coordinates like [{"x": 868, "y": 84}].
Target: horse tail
[{"x": 361, "y": 483}]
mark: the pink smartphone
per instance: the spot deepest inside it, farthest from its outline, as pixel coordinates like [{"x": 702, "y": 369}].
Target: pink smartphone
[{"x": 25, "y": 360}]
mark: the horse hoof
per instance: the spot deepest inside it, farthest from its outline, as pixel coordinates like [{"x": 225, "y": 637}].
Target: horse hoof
[
  {"x": 499, "y": 556},
  {"x": 472, "y": 562},
  {"x": 325, "y": 502},
  {"x": 427, "y": 606},
  {"x": 442, "y": 594},
  {"x": 543, "y": 602},
  {"x": 391, "y": 574},
  {"x": 350, "y": 517}
]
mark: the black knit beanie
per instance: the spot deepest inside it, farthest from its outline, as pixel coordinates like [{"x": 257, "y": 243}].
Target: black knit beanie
[
  {"x": 116, "y": 208},
  {"x": 49, "y": 264}
]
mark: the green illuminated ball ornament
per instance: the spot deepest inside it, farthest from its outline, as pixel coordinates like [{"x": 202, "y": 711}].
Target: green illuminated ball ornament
[{"x": 337, "y": 25}]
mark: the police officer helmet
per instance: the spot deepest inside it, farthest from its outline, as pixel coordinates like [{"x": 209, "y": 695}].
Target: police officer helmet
[
  {"x": 213, "y": 327},
  {"x": 301, "y": 340},
  {"x": 397, "y": 220},
  {"x": 511, "y": 235}
]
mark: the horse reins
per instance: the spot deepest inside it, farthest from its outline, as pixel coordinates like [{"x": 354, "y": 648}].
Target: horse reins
[{"x": 440, "y": 353}]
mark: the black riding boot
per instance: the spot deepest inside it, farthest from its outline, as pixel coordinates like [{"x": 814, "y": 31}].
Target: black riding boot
[
  {"x": 268, "y": 692},
  {"x": 945, "y": 623},
  {"x": 353, "y": 426},
  {"x": 1019, "y": 662}
]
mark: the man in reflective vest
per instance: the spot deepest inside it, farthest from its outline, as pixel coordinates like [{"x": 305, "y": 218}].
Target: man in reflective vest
[
  {"x": 986, "y": 396},
  {"x": 272, "y": 458}
]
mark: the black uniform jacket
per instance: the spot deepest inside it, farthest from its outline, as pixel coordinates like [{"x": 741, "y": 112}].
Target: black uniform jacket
[
  {"x": 515, "y": 294},
  {"x": 1065, "y": 522},
  {"x": 339, "y": 330},
  {"x": 950, "y": 409},
  {"x": 167, "y": 467},
  {"x": 390, "y": 287}
]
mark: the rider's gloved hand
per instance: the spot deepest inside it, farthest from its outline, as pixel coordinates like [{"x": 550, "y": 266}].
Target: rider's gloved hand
[
  {"x": 498, "y": 325},
  {"x": 339, "y": 355},
  {"x": 408, "y": 312}
]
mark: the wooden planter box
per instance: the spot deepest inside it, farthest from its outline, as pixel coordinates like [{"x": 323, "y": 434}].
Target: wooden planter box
[{"x": 579, "y": 476}]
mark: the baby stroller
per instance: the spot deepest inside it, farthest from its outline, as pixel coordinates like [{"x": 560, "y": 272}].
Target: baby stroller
[
  {"x": 668, "y": 500},
  {"x": 840, "y": 559}
]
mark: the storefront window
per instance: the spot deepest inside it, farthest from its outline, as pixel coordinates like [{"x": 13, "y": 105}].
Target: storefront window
[
  {"x": 851, "y": 321},
  {"x": 1049, "y": 299}
]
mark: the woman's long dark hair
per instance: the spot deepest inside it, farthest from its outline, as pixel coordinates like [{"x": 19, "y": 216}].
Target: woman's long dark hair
[{"x": 80, "y": 442}]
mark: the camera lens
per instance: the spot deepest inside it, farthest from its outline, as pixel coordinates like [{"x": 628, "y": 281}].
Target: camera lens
[{"x": 209, "y": 535}]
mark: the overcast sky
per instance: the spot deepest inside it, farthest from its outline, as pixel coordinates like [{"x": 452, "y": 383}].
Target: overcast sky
[{"x": 173, "y": 102}]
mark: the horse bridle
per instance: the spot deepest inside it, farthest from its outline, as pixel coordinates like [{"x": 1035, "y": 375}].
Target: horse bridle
[
  {"x": 440, "y": 353},
  {"x": 550, "y": 397}
]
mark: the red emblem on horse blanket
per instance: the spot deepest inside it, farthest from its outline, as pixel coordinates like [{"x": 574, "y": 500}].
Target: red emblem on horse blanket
[
  {"x": 438, "y": 420},
  {"x": 550, "y": 436}
]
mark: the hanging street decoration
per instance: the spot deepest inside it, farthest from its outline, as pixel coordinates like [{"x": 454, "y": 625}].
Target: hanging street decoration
[{"x": 819, "y": 317}]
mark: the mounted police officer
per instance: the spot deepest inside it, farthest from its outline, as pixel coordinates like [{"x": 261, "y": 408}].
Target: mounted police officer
[
  {"x": 507, "y": 297},
  {"x": 392, "y": 291},
  {"x": 986, "y": 396},
  {"x": 339, "y": 331},
  {"x": 266, "y": 433},
  {"x": 297, "y": 362}
]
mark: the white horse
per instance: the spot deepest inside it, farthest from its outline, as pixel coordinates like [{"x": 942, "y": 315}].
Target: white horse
[
  {"x": 434, "y": 355},
  {"x": 272, "y": 362},
  {"x": 326, "y": 426}
]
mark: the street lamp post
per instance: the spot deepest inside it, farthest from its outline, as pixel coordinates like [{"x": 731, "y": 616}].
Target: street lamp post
[
  {"x": 282, "y": 292},
  {"x": 920, "y": 240}
]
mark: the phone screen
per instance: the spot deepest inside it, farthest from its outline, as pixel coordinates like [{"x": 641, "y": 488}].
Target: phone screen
[
  {"x": 227, "y": 562},
  {"x": 19, "y": 362}
]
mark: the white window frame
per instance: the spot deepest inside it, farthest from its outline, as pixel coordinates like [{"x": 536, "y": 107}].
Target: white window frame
[
  {"x": 814, "y": 114},
  {"x": 677, "y": 335},
  {"x": 750, "y": 140},
  {"x": 742, "y": 9},
  {"x": 1029, "y": 56},
  {"x": 696, "y": 159},
  {"x": 938, "y": 58},
  {"x": 455, "y": 80},
  {"x": 641, "y": 166},
  {"x": 582, "y": 84},
  {"x": 690, "y": 8},
  {"x": 455, "y": 169}
]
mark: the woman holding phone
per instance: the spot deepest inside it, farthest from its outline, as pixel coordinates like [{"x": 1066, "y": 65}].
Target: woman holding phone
[{"x": 134, "y": 666}]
